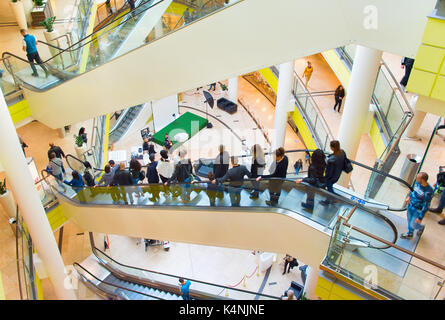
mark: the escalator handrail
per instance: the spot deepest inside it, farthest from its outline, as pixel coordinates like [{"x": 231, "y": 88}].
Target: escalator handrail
[
  {"x": 309, "y": 150},
  {"x": 91, "y": 35},
  {"x": 175, "y": 276},
  {"x": 182, "y": 17},
  {"x": 122, "y": 117},
  {"x": 75, "y": 264},
  {"x": 325, "y": 193}
]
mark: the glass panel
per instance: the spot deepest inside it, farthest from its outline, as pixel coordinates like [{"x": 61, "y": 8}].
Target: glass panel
[
  {"x": 396, "y": 115},
  {"x": 103, "y": 45},
  {"x": 383, "y": 92},
  {"x": 377, "y": 266},
  {"x": 156, "y": 277}
]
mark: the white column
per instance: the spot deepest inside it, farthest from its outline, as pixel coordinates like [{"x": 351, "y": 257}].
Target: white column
[
  {"x": 358, "y": 99},
  {"x": 416, "y": 121},
  {"x": 233, "y": 89},
  {"x": 311, "y": 282},
  {"x": 283, "y": 104},
  {"x": 22, "y": 185}
]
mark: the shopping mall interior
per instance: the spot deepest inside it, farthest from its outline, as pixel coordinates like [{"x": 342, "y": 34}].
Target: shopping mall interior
[{"x": 125, "y": 127}]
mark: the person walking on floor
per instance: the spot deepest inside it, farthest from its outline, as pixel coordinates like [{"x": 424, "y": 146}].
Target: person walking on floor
[
  {"x": 289, "y": 263},
  {"x": 30, "y": 47},
  {"x": 235, "y": 175},
  {"x": 257, "y": 168},
  {"x": 83, "y": 135},
  {"x": 339, "y": 95},
  {"x": 407, "y": 64},
  {"x": 184, "y": 288},
  {"x": 57, "y": 150},
  {"x": 315, "y": 177},
  {"x": 307, "y": 73},
  {"x": 137, "y": 175},
  {"x": 279, "y": 169},
  {"x": 212, "y": 85},
  {"x": 221, "y": 162},
  {"x": 418, "y": 202}
]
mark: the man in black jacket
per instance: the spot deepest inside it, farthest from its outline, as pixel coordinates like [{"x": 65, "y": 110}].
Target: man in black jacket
[
  {"x": 221, "y": 163},
  {"x": 279, "y": 171},
  {"x": 407, "y": 63},
  {"x": 235, "y": 175},
  {"x": 122, "y": 178},
  {"x": 57, "y": 150}
]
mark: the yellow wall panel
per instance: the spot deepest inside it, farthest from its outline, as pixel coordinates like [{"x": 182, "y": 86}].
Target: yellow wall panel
[
  {"x": 376, "y": 138},
  {"x": 322, "y": 293},
  {"x": 56, "y": 218},
  {"x": 271, "y": 79},
  {"x": 429, "y": 58},
  {"x": 343, "y": 294},
  {"x": 2, "y": 292},
  {"x": 339, "y": 68},
  {"x": 324, "y": 283},
  {"x": 442, "y": 70},
  {"x": 421, "y": 82},
  {"x": 177, "y": 9},
  {"x": 19, "y": 111},
  {"x": 434, "y": 33},
  {"x": 439, "y": 89}
]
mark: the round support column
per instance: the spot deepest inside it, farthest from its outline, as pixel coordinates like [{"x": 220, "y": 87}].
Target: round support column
[
  {"x": 283, "y": 104},
  {"x": 311, "y": 282},
  {"x": 21, "y": 184},
  {"x": 233, "y": 89},
  {"x": 358, "y": 98},
  {"x": 416, "y": 121}
]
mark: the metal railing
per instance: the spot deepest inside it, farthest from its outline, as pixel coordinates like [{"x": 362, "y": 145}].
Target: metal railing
[{"x": 414, "y": 283}]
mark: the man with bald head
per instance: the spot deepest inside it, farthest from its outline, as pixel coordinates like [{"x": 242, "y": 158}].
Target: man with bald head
[
  {"x": 418, "y": 203},
  {"x": 122, "y": 178}
]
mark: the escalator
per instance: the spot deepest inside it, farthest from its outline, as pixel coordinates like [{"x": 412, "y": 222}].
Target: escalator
[
  {"x": 140, "y": 72},
  {"x": 126, "y": 119},
  {"x": 175, "y": 212},
  {"x": 114, "y": 280}
]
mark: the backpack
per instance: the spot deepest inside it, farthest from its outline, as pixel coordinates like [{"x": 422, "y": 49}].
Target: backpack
[{"x": 347, "y": 165}]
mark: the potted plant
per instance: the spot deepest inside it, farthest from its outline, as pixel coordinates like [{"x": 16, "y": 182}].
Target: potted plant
[
  {"x": 51, "y": 34},
  {"x": 80, "y": 147},
  {"x": 6, "y": 200},
  {"x": 224, "y": 89},
  {"x": 19, "y": 13}
]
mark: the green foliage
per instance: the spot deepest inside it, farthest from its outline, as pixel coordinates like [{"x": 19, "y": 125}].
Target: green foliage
[
  {"x": 48, "y": 24},
  {"x": 3, "y": 187},
  {"x": 38, "y": 3},
  {"x": 78, "y": 140},
  {"x": 14, "y": 1},
  {"x": 223, "y": 86},
  {"x": 303, "y": 296}
]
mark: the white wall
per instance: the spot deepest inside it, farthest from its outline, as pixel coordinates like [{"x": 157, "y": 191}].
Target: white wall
[
  {"x": 248, "y": 36},
  {"x": 163, "y": 111},
  {"x": 248, "y": 230}
]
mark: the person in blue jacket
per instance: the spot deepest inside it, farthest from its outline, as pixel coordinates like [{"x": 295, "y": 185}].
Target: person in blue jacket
[
  {"x": 76, "y": 183},
  {"x": 418, "y": 203},
  {"x": 30, "y": 47}
]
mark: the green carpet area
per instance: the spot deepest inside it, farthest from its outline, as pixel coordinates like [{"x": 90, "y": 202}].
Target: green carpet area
[{"x": 187, "y": 122}]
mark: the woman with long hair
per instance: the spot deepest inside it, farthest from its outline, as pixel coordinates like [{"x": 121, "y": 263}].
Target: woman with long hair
[
  {"x": 315, "y": 177},
  {"x": 339, "y": 95}
]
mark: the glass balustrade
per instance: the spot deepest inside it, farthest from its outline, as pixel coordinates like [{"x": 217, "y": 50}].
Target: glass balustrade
[
  {"x": 151, "y": 277},
  {"x": 98, "y": 48},
  {"x": 378, "y": 267}
]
